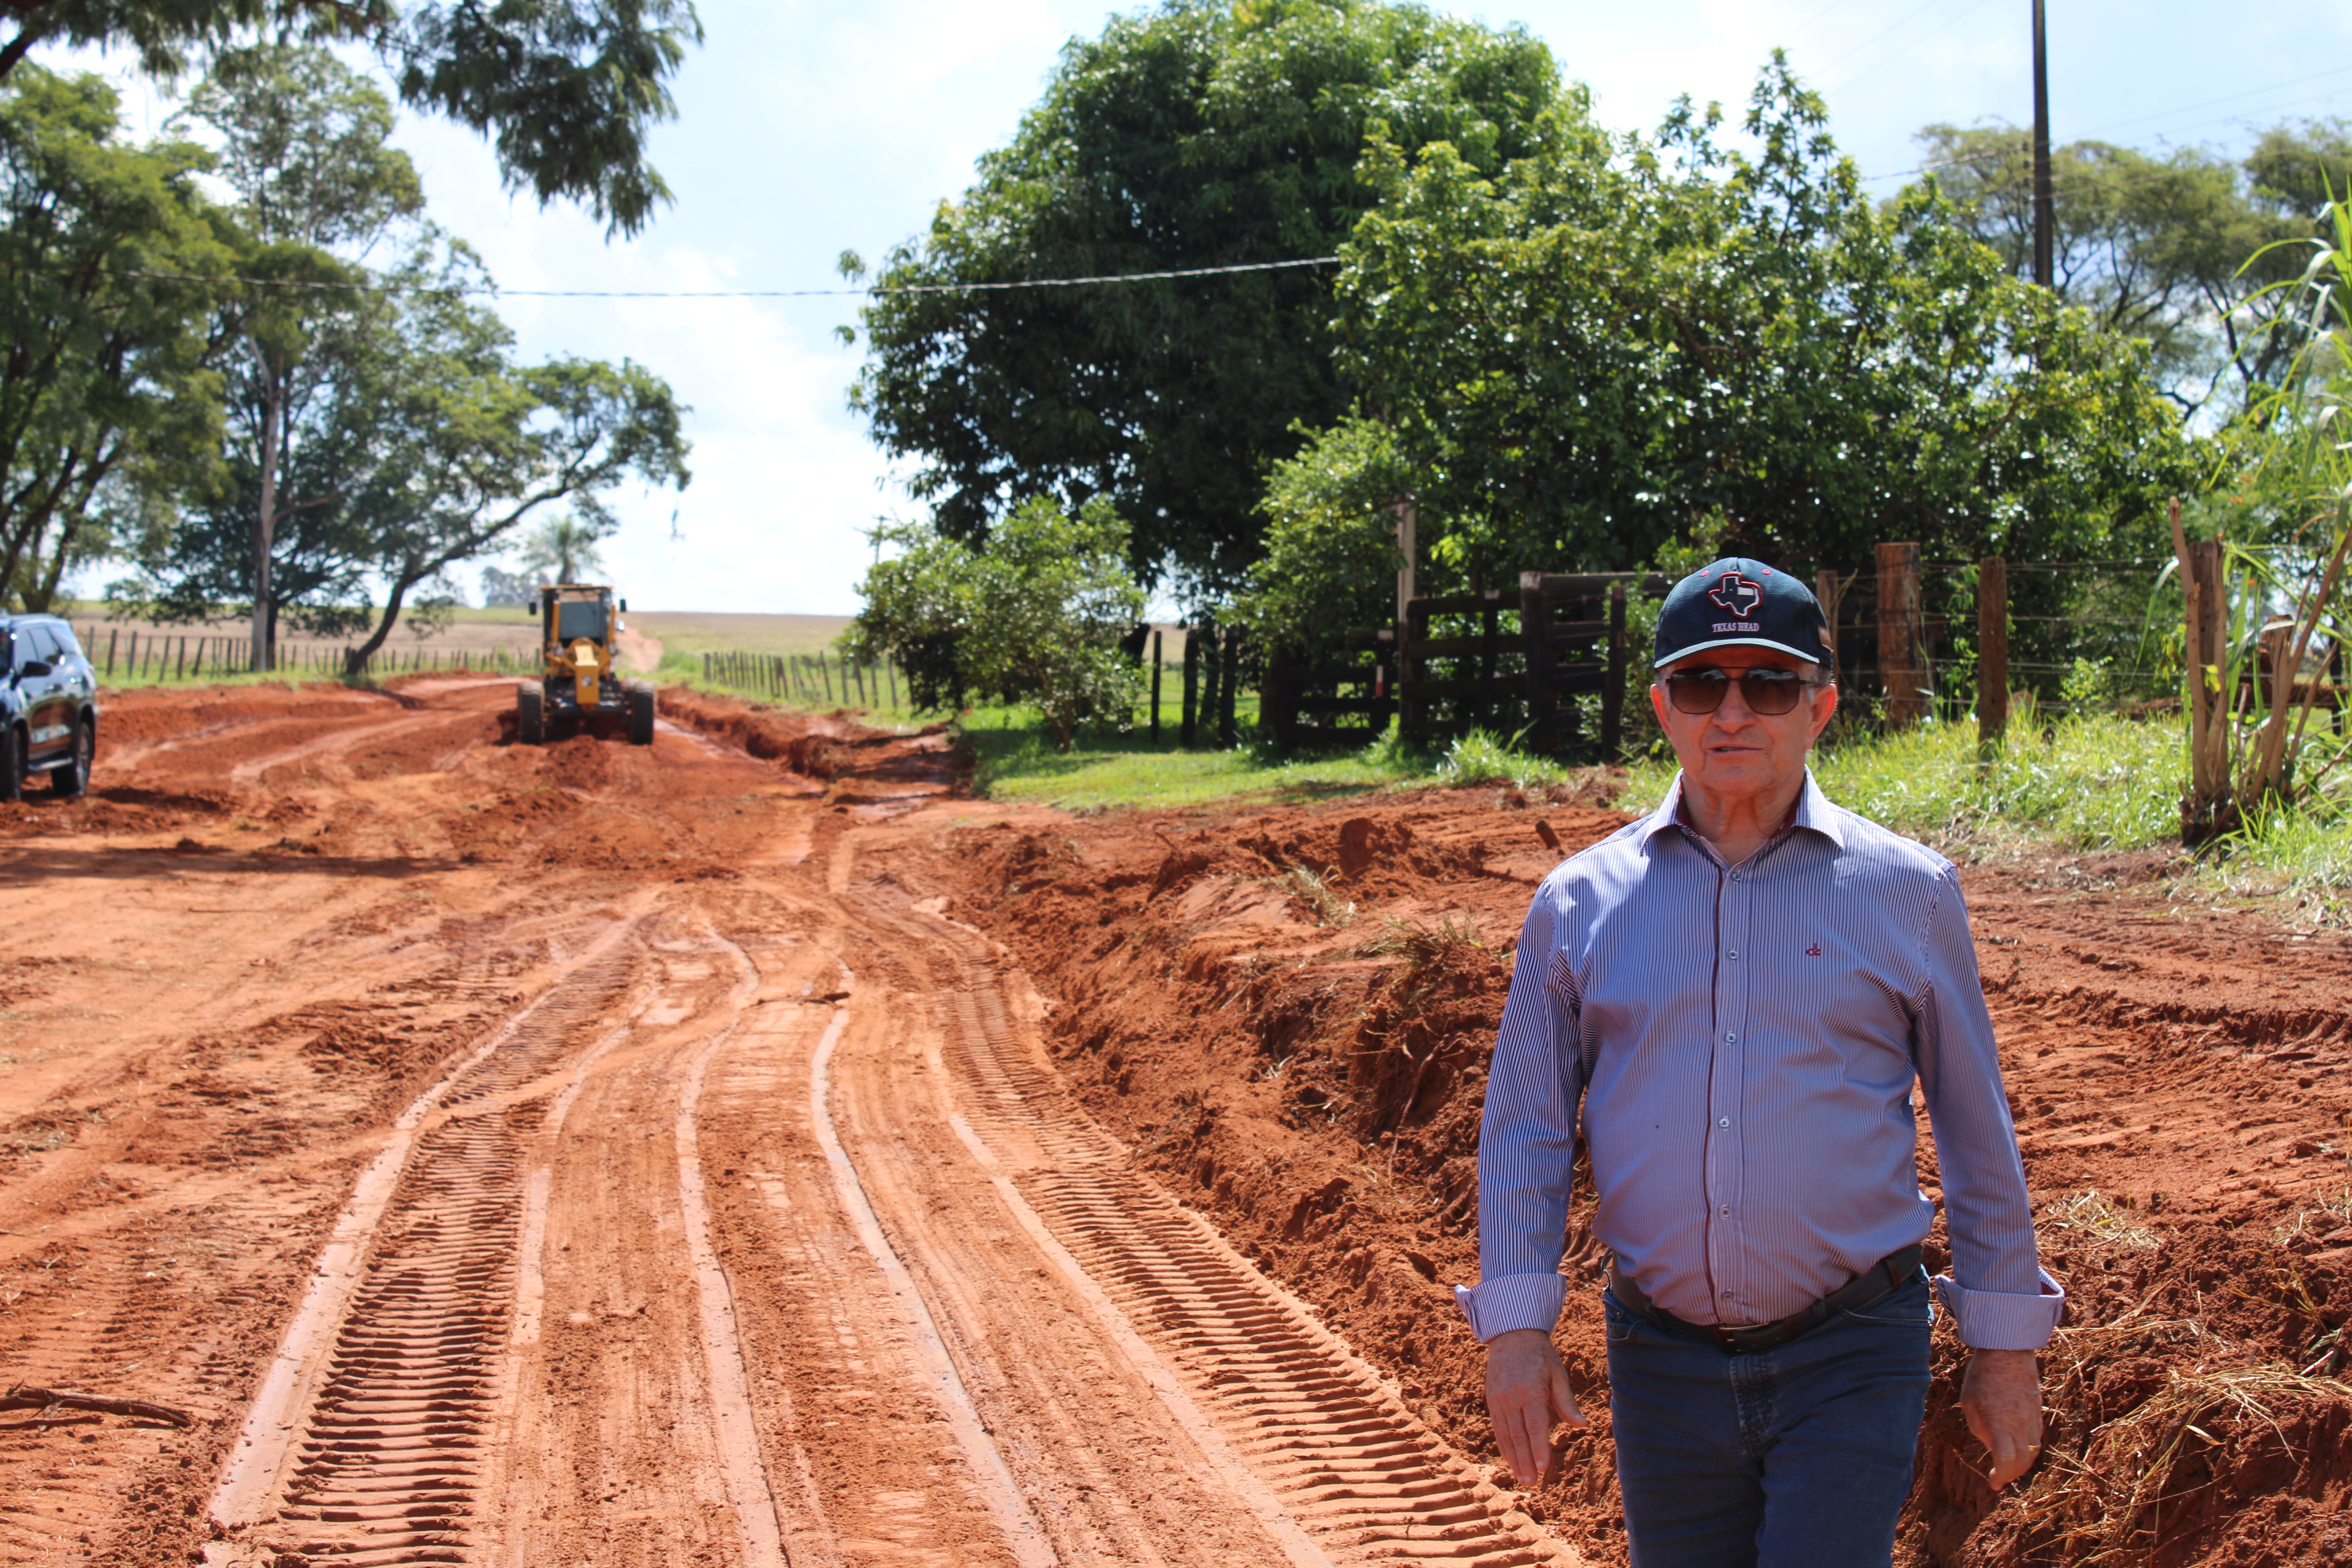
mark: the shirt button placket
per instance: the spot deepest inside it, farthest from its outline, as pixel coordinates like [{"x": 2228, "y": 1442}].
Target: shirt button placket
[{"x": 1726, "y": 1250}]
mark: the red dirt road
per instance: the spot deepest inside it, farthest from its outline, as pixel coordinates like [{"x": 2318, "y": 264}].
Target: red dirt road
[
  {"x": 587, "y": 1155},
  {"x": 743, "y": 1151}
]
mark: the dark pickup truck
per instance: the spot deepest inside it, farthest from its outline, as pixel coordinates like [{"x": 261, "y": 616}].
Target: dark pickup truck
[{"x": 48, "y": 706}]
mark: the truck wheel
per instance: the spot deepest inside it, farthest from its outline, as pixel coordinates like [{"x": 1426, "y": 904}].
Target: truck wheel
[
  {"x": 12, "y": 763},
  {"x": 73, "y": 778},
  {"x": 641, "y": 717},
  {"x": 530, "y": 718}
]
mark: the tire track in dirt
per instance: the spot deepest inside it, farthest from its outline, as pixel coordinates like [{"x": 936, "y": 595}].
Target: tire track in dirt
[
  {"x": 1347, "y": 1462},
  {"x": 366, "y": 1435}
]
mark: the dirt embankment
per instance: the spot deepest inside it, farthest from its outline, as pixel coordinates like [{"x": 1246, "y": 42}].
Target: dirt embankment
[{"x": 1288, "y": 1016}]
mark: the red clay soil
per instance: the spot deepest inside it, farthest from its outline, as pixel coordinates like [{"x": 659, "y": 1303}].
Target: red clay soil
[
  {"x": 1288, "y": 1014},
  {"x": 229, "y": 972}
]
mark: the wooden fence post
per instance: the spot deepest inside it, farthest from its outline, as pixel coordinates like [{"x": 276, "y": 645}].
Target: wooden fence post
[
  {"x": 1829, "y": 589},
  {"x": 1411, "y": 671},
  {"x": 1612, "y": 696},
  {"x": 1156, "y": 668},
  {"x": 1229, "y": 735},
  {"x": 1212, "y": 673},
  {"x": 1993, "y": 649},
  {"x": 1535, "y": 640},
  {"x": 1192, "y": 684},
  {"x": 1898, "y": 633}
]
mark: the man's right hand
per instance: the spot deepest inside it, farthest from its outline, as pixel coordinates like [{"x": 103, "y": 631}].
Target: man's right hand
[{"x": 1527, "y": 1390}]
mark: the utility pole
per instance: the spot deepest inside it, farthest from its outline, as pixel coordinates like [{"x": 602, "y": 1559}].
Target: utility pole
[{"x": 2045, "y": 208}]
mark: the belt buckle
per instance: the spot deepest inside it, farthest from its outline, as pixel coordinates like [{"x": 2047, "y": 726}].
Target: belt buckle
[{"x": 1729, "y": 1341}]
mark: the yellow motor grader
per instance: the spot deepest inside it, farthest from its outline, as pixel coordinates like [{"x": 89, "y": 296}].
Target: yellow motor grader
[{"x": 579, "y": 626}]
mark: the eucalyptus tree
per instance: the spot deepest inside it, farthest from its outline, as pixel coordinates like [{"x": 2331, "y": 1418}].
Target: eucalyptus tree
[
  {"x": 428, "y": 447},
  {"x": 1202, "y": 134},
  {"x": 2157, "y": 247},
  {"x": 306, "y": 147},
  {"x": 565, "y": 91}
]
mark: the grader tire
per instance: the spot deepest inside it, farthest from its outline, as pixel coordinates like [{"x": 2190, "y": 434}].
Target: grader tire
[
  {"x": 530, "y": 718},
  {"x": 641, "y": 717}
]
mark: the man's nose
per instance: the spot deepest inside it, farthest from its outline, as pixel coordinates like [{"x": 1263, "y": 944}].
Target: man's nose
[{"x": 1734, "y": 713}]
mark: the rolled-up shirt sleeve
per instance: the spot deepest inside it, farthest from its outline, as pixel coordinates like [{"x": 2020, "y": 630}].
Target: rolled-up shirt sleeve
[
  {"x": 1998, "y": 1294},
  {"x": 1527, "y": 1138}
]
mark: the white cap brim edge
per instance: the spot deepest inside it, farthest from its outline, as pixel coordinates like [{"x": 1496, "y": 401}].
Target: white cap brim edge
[{"x": 1813, "y": 657}]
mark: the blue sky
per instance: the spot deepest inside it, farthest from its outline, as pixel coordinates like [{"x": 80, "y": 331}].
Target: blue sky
[{"x": 808, "y": 129}]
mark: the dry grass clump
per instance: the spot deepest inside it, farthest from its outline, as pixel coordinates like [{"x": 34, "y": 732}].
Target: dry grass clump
[
  {"x": 1310, "y": 888},
  {"x": 2331, "y": 1212},
  {"x": 2091, "y": 1215},
  {"x": 2110, "y": 1499}
]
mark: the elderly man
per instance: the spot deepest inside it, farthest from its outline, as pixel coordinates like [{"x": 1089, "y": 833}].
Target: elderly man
[{"x": 1741, "y": 989}]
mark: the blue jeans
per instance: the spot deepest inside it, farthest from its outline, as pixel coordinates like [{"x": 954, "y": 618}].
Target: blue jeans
[{"x": 1798, "y": 1457}]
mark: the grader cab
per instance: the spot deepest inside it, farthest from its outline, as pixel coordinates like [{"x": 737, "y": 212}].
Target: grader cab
[{"x": 579, "y": 629}]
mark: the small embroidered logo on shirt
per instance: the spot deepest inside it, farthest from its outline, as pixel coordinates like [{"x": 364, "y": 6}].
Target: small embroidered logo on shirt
[{"x": 1814, "y": 950}]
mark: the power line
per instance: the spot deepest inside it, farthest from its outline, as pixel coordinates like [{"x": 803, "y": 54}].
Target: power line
[
  {"x": 1948, "y": 22},
  {"x": 2144, "y": 118},
  {"x": 492, "y": 289}
]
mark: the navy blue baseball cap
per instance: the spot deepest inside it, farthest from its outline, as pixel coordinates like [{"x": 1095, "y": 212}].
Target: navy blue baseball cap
[{"x": 1741, "y": 603}]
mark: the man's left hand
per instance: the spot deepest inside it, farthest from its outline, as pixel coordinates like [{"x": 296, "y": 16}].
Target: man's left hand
[{"x": 2000, "y": 1395}]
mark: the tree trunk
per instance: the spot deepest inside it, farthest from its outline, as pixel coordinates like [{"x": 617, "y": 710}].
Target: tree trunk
[{"x": 355, "y": 659}]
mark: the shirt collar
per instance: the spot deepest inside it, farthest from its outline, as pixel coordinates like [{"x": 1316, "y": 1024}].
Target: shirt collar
[{"x": 1815, "y": 812}]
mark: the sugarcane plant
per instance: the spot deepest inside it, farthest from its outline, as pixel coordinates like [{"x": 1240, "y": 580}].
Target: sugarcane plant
[{"x": 2259, "y": 612}]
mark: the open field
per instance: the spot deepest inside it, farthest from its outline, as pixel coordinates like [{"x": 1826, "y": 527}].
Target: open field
[{"x": 747, "y": 1150}]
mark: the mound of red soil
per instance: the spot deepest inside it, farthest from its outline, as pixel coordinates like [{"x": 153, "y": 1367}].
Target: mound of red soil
[{"x": 1287, "y": 1016}]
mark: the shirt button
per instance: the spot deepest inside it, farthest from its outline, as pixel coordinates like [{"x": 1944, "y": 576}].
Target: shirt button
[
  {"x": 1724, "y": 1122},
  {"x": 1734, "y": 876},
  {"x": 1727, "y": 1208},
  {"x": 1735, "y": 952},
  {"x": 1726, "y": 1295},
  {"x": 1731, "y": 1039}
]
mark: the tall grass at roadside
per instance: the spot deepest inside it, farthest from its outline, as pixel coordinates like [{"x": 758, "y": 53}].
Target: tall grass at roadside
[{"x": 2093, "y": 783}]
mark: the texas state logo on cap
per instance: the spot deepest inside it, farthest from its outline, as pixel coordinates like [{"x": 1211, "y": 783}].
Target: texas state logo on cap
[{"x": 1741, "y": 603}]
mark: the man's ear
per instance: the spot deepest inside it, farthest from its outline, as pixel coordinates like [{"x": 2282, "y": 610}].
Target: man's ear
[
  {"x": 1658, "y": 703},
  {"x": 1826, "y": 701}
]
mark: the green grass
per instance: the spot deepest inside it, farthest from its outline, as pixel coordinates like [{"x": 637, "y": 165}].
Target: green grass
[
  {"x": 1016, "y": 761},
  {"x": 2095, "y": 784}
]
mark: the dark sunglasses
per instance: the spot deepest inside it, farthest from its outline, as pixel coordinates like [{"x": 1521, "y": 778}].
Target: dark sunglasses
[{"x": 1768, "y": 692}]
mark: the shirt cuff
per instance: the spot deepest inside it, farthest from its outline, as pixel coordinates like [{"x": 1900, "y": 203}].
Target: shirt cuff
[
  {"x": 1994, "y": 1321},
  {"x": 1512, "y": 1301}
]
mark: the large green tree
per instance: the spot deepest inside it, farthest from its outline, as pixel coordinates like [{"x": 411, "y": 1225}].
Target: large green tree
[
  {"x": 1200, "y": 134},
  {"x": 106, "y": 390},
  {"x": 565, "y": 91},
  {"x": 306, "y": 145},
  {"x": 2156, "y": 248},
  {"x": 426, "y": 446},
  {"x": 1580, "y": 357}
]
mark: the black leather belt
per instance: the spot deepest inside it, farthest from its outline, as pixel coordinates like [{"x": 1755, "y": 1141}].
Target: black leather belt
[{"x": 1876, "y": 1283}]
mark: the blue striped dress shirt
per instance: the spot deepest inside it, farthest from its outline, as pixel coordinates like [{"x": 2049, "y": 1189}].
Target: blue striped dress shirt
[{"x": 1744, "y": 1041}]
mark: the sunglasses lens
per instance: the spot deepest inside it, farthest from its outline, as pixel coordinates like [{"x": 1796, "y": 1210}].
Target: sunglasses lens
[
  {"x": 1697, "y": 691},
  {"x": 1768, "y": 692}
]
